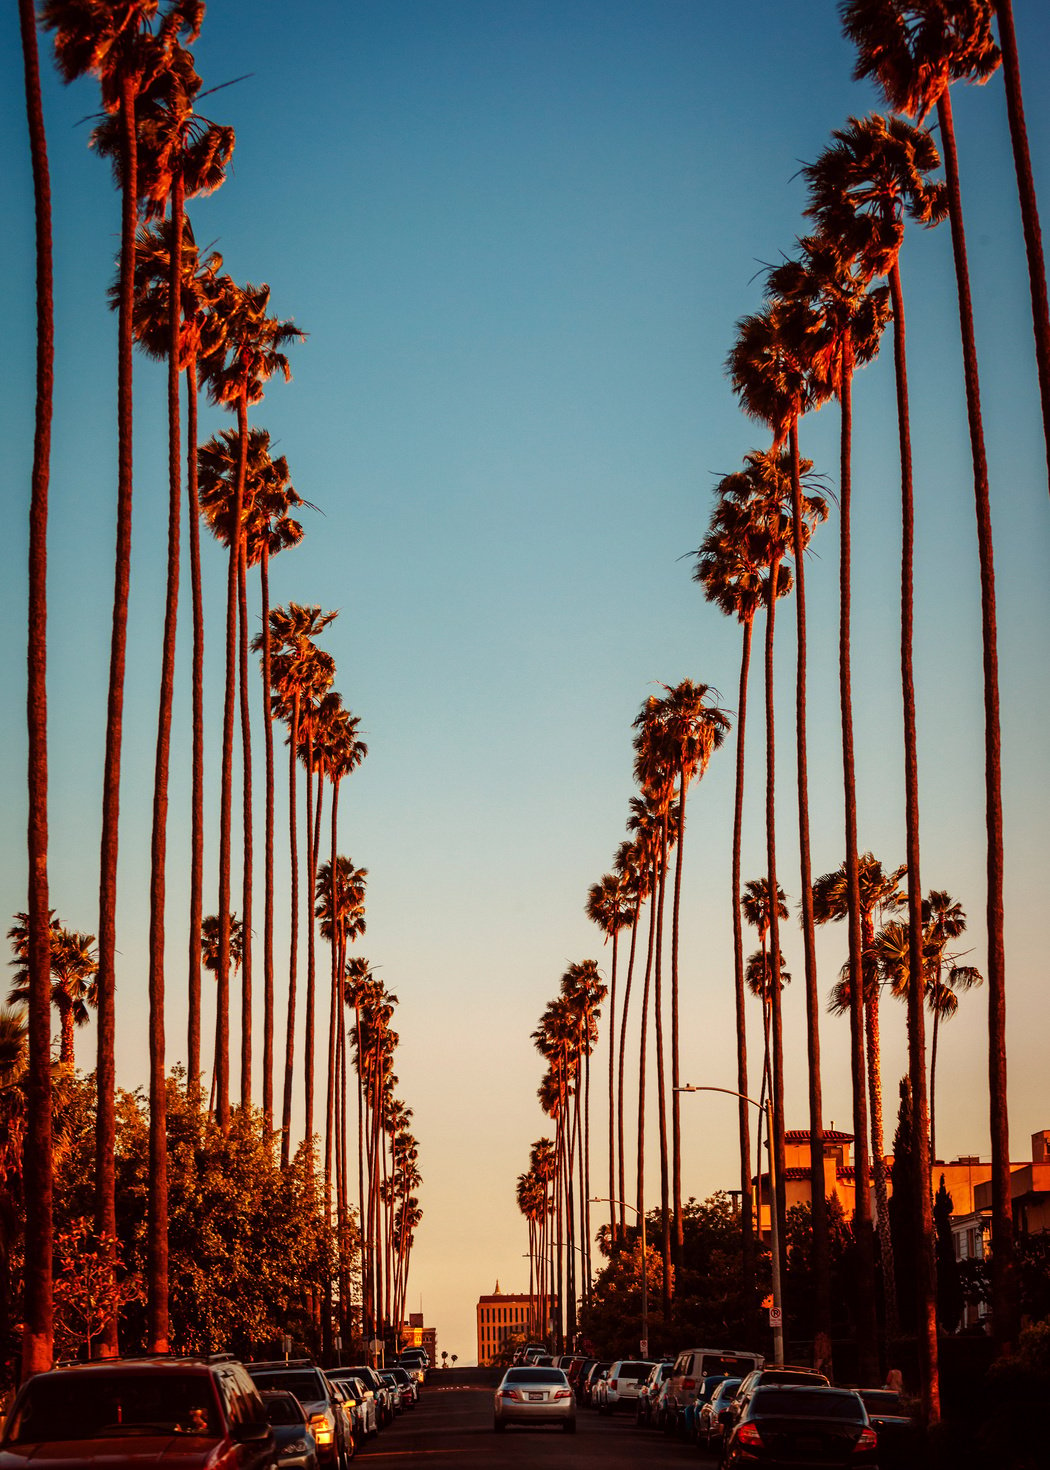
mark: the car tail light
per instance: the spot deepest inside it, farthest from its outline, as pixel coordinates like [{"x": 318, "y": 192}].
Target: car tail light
[
  {"x": 510, "y": 1393},
  {"x": 867, "y": 1440},
  {"x": 688, "y": 1382},
  {"x": 320, "y": 1429},
  {"x": 612, "y": 1383},
  {"x": 563, "y": 1393},
  {"x": 748, "y": 1434}
]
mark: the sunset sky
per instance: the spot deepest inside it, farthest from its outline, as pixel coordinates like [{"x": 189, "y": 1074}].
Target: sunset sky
[{"x": 519, "y": 234}]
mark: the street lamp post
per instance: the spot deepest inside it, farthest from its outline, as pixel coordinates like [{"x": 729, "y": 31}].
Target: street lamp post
[
  {"x": 777, "y": 1314},
  {"x": 605, "y": 1200}
]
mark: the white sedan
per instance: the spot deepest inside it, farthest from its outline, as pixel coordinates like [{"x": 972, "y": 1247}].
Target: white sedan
[{"x": 535, "y": 1396}]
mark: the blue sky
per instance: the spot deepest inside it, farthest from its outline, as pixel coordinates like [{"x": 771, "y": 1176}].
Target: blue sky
[{"x": 519, "y": 236}]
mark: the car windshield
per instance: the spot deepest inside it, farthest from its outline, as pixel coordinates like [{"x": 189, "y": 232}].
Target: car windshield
[
  {"x": 881, "y": 1401},
  {"x": 303, "y": 1382},
  {"x": 727, "y": 1388},
  {"x": 535, "y": 1375},
  {"x": 67, "y": 1406},
  {"x": 815, "y": 1403}
]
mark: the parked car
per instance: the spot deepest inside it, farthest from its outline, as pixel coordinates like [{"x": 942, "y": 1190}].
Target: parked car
[
  {"x": 621, "y": 1388},
  {"x": 899, "y": 1433},
  {"x": 295, "y": 1446},
  {"x": 407, "y": 1386},
  {"x": 690, "y": 1420},
  {"x": 710, "y": 1420},
  {"x": 414, "y": 1366},
  {"x": 375, "y": 1385},
  {"x": 360, "y": 1404},
  {"x": 799, "y": 1426},
  {"x": 650, "y": 1392},
  {"x": 692, "y": 1366},
  {"x": 530, "y": 1395},
  {"x": 329, "y": 1422},
  {"x": 394, "y": 1389},
  {"x": 595, "y": 1373},
  {"x": 195, "y": 1412},
  {"x": 770, "y": 1377}
]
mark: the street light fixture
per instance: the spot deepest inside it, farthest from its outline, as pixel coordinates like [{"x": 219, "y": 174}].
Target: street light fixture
[
  {"x": 777, "y": 1314},
  {"x": 624, "y": 1205}
]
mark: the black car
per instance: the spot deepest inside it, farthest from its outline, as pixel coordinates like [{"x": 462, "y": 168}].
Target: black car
[
  {"x": 328, "y": 1420},
  {"x": 193, "y": 1413},
  {"x": 794, "y": 1428},
  {"x": 899, "y": 1432}
]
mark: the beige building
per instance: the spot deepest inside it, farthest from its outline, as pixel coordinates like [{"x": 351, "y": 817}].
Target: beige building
[{"x": 502, "y": 1318}]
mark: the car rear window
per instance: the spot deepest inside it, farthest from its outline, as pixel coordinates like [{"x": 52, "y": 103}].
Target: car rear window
[
  {"x": 306, "y": 1385},
  {"x": 282, "y": 1408},
  {"x": 114, "y": 1405},
  {"x": 817, "y": 1403},
  {"x": 635, "y": 1370},
  {"x": 535, "y": 1375}
]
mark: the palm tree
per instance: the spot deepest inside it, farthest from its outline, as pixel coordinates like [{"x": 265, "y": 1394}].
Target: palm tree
[
  {"x": 299, "y": 670},
  {"x": 915, "y": 49},
  {"x": 269, "y": 531},
  {"x": 610, "y": 905},
  {"x": 1033, "y": 238},
  {"x": 38, "y": 1335},
  {"x": 685, "y": 728},
  {"x": 340, "y": 911},
  {"x": 74, "y": 965},
  {"x": 584, "y": 988},
  {"x": 879, "y": 894},
  {"x": 875, "y": 175},
  {"x": 631, "y": 866},
  {"x": 252, "y": 353},
  {"x": 117, "y": 44},
  {"x": 944, "y": 920},
  {"x": 729, "y": 567}
]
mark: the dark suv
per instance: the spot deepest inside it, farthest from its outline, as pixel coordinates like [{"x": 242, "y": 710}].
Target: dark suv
[
  {"x": 325, "y": 1413},
  {"x": 169, "y": 1412}
]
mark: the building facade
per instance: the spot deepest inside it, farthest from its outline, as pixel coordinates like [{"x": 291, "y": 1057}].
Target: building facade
[{"x": 503, "y": 1320}]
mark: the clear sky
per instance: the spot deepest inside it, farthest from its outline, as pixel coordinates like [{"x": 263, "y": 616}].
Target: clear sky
[{"x": 519, "y": 236}]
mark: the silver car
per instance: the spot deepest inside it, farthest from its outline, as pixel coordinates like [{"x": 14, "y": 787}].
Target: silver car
[{"x": 535, "y": 1396}]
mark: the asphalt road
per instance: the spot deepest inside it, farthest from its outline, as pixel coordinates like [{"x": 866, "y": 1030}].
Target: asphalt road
[{"x": 451, "y": 1426}]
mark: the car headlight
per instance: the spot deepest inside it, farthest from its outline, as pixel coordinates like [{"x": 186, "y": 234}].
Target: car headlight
[{"x": 297, "y": 1447}]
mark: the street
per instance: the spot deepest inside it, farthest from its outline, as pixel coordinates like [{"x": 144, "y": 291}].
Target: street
[{"x": 452, "y": 1425}]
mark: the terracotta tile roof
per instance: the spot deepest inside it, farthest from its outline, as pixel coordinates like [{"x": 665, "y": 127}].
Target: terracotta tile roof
[{"x": 801, "y": 1135}]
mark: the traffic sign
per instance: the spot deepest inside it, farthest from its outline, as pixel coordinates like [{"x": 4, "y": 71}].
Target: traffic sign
[{"x": 776, "y": 1316}]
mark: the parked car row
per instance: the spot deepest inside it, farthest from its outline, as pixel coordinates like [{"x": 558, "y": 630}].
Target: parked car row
[
  {"x": 214, "y": 1410},
  {"x": 744, "y": 1413}
]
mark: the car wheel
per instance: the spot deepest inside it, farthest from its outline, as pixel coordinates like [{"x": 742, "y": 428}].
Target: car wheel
[{"x": 569, "y": 1426}]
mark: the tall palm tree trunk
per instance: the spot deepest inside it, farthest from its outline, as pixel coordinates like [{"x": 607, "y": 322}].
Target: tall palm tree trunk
[
  {"x": 776, "y": 1143},
  {"x": 661, "y": 1082},
  {"x": 818, "y": 1205},
  {"x": 311, "y": 878},
  {"x": 157, "y": 1226},
  {"x": 246, "y": 810},
  {"x": 1033, "y": 239},
  {"x": 193, "y": 1019},
  {"x": 38, "y": 1329},
  {"x": 105, "y": 1072},
  {"x": 862, "y": 1221},
  {"x": 222, "y": 991},
  {"x": 747, "y": 1256},
  {"x": 643, "y": 1037},
  {"x": 293, "y": 946},
  {"x": 620, "y": 1131},
  {"x": 1005, "y": 1290},
  {"x": 613, "y": 1233},
  {"x": 678, "y": 1242},
  {"x": 268, "y": 975}
]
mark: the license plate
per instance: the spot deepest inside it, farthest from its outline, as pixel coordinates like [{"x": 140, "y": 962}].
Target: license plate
[{"x": 536, "y": 1398}]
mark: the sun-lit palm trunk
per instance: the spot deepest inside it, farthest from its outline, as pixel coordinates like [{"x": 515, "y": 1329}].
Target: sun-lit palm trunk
[
  {"x": 776, "y": 1143},
  {"x": 612, "y": 1089},
  {"x": 293, "y": 946},
  {"x": 246, "y": 810},
  {"x": 157, "y": 1228},
  {"x": 38, "y": 1329},
  {"x": 818, "y": 1207},
  {"x": 1033, "y": 238},
  {"x": 268, "y": 975},
  {"x": 1005, "y": 1291},
  {"x": 622, "y": 1053},
  {"x": 747, "y": 1262},
  {"x": 105, "y": 1072},
  {"x": 643, "y": 1038},
  {"x": 193, "y": 1020}
]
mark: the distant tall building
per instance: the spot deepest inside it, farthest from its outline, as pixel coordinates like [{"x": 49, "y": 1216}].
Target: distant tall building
[
  {"x": 414, "y": 1334},
  {"x": 501, "y": 1317}
]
